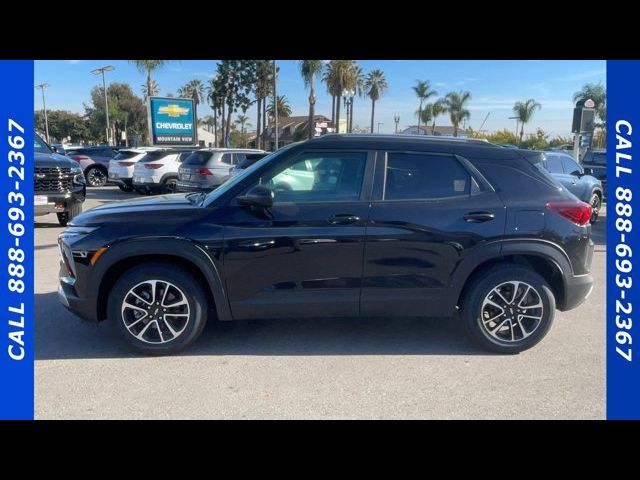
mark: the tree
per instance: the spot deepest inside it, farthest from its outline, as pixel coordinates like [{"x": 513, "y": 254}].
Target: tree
[
  {"x": 207, "y": 122},
  {"x": 63, "y": 124},
  {"x": 127, "y": 112},
  {"x": 284, "y": 108},
  {"x": 597, "y": 93},
  {"x": 235, "y": 84},
  {"x": 375, "y": 85},
  {"x": 264, "y": 87},
  {"x": 435, "y": 109},
  {"x": 193, "y": 89},
  {"x": 524, "y": 111},
  {"x": 423, "y": 91},
  {"x": 309, "y": 70},
  {"x": 148, "y": 67},
  {"x": 340, "y": 75},
  {"x": 243, "y": 121},
  {"x": 155, "y": 90},
  {"x": 455, "y": 104},
  {"x": 215, "y": 102}
]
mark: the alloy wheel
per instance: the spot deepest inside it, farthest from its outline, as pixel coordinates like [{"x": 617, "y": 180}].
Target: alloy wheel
[
  {"x": 155, "y": 311},
  {"x": 595, "y": 208},
  {"x": 511, "y": 312},
  {"x": 96, "y": 177}
]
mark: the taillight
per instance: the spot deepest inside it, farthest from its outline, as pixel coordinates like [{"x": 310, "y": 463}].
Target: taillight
[
  {"x": 126, "y": 164},
  {"x": 152, "y": 166},
  {"x": 79, "y": 158},
  {"x": 576, "y": 211},
  {"x": 204, "y": 171}
]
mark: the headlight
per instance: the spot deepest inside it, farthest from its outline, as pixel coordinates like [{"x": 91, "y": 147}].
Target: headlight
[{"x": 78, "y": 176}]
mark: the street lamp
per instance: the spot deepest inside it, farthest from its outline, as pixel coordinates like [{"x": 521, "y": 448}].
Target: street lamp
[
  {"x": 396, "y": 119},
  {"x": 42, "y": 86},
  {"x": 275, "y": 103},
  {"x": 348, "y": 102},
  {"x": 99, "y": 71},
  {"x": 379, "y": 123}
]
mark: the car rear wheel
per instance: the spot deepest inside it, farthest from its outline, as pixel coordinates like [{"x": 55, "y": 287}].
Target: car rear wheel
[
  {"x": 159, "y": 309},
  {"x": 125, "y": 188},
  {"x": 596, "y": 204},
  {"x": 170, "y": 185},
  {"x": 96, "y": 176},
  {"x": 73, "y": 211},
  {"x": 508, "y": 309}
]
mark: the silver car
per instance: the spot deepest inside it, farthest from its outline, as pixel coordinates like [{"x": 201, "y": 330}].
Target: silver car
[{"x": 207, "y": 168}]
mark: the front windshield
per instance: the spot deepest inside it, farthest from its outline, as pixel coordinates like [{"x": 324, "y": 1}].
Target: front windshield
[
  {"x": 233, "y": 181},
  {"x": 39, "y": 145}
]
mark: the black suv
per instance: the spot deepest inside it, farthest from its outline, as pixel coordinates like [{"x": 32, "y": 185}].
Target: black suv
[
  {"x": 595, "y": 163},
  {"x": 340, "y": 226},
  {"x": 59, "y": 185}
]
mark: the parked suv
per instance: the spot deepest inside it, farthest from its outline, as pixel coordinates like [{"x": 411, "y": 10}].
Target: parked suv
[
  {"x": 208, "y": 168},
  {"x": 121, "y": 166},
  {"x": 595, "y": 163},
  {"x": 249, "y": 159},
  {"x": 574, "y": 177},
  {"x": 388, "y": 226},
  {"x": 94, "y": 162},
  {"x": 157, "y": 171},
  {"x": 58, "y": 183}
]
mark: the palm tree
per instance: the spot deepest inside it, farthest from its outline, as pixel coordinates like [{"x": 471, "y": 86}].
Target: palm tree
[
  {"x": 309, "y": 69},
  {"x": 423, "y": 91},
  {"x": 215, "y": 102},
  {"x": 193, "y": 89},
  {"x": 340, "y": 75},
  {"x": 243, "y": 121},
  {"x": 155, "y": 89},
  {"x": 524, "y": 111},
  {"x": 284, "y": 108},
  {"x": 375, "y": 85},
  {"x": 264, "y": 86},
  {"x": 436, "y": 109},
  {"x": 208, "y": 122},
  {"x": 597, "y": 93},
  {"x": 149, "y": 67},
  {"x": 455, "y": 104}
]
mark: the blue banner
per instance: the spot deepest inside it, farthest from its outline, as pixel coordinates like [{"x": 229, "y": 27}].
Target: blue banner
[
  {"x": 172, "y": 121},
  {"x": 16, "y": 240},
  {"x": 623, "y": 247}
]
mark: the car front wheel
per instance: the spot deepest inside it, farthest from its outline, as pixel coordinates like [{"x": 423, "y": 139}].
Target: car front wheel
[
  {"x": 508, "y": 309},
  {"x": 96, "y": 177},
  {"x": 159, "y": 309}
]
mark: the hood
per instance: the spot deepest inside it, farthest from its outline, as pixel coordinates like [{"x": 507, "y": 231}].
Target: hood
[
  {"x": 50, "y": 160},
  {"x": 161, "y": 207}
]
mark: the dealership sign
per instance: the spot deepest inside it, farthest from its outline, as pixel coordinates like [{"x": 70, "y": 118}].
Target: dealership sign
[{"x": 172, "y": 121}]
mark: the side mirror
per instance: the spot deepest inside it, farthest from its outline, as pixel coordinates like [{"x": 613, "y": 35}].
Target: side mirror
[
  {"x": 55, "y": 149},
  {"x": 258, "y": 196}
]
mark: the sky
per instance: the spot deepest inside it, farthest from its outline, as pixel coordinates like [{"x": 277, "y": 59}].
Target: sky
[{"x": 495, "y": 85}]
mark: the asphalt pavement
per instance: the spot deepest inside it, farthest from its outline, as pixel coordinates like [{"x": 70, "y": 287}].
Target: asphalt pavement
[{"x": 313, "y": 369}]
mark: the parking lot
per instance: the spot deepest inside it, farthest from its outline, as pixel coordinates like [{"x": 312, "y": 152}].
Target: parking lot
[{"x": 313, "y": 369}]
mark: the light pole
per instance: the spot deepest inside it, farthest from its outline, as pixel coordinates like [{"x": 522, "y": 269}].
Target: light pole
[
  {"x": 348, "y": 103},
  {"x": 99, "y": 71},
  {"x": 275, "y": 103},
  {"x": 379, "y": 123},
  {"x": 396, "y": 119},
  {"x": 42, "y": 86}
]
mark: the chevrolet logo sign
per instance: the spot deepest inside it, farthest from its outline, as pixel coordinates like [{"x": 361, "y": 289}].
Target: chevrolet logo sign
[{"x": 173, "y": 110}]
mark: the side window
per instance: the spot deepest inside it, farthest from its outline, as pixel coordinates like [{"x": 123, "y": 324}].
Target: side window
[
  {"x": 554, "y": 164},
  {"x": 318, "y": 177},
  {"x": 239, "y": 157},
  {"x": 425, "y": 176},
  {"x": 570, "y": 166},
  {"x": 227, "y": 158}
]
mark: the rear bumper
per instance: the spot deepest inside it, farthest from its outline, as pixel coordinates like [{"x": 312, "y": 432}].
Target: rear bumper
[
  {"x": 577, "y": 289},
  {"x": 126, "y": 182},
  {"x": 192, "y": 187}
]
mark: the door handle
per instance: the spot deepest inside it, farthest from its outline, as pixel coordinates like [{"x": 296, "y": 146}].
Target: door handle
[
  {"x": 257, "y": 244},
  {"x": 477, "y": 217},
  {"x": 343, "y": 219}
]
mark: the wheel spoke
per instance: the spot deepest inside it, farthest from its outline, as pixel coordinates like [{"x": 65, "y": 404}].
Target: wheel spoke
[
  {"x": 501, "y": 296},
  {"x": 159, "y": 330},
  {"x": 135, "y": 307},
  {"x": 141, "y": 299},
  {"x": 177, "y": 304},
  {"x": 143, "y": 331},
  {"x": 173, "y": 332},
  {"x": 516, "y": 286},
  {"x": 526, "y": 292}
]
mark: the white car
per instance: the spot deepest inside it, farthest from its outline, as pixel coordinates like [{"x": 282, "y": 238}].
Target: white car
[
  {"x": 157, "y": 170},
  {"x": 121, "y": 166}
]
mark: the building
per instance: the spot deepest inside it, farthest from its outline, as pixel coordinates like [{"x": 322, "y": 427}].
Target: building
[
  {"x": 439, "y": 130},
  {"x": 294, "y": 129}
]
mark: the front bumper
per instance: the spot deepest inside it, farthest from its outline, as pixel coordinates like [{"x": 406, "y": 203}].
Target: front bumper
[{"x": 58, "y": 202}]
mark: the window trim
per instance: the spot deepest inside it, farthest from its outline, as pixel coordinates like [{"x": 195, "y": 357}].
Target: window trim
[{"x": 483, "y": 184}]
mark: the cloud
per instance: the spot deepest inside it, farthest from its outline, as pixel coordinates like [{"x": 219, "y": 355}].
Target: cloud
[{"x": 73, "y": 62}]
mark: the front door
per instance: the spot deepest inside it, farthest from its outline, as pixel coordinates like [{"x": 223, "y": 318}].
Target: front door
[
  {"x": 429, "y": 211},
  {"x": 302, "y": 257}
]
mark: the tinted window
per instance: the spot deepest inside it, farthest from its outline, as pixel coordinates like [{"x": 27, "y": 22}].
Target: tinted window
[
  {"x": 198, "y": 158},
  {"x": 227, "y": 158},
  {"x": 125, "y": 154},
  {"x": 151, "y": 156},
  {"x": 250, "y": 159},
  {"x": 570, "y": 166},
  {"x": 183, "y": 156},
  {"x": 39, "y": 146},
  {"x": 554, "y": 164},
  {"x": 318, "y": 177},
  {"x": 425, "y": 176},
  {"x": 599, "y": 159}
]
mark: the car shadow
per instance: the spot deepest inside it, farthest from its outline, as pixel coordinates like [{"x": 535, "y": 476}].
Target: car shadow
[{"x": 61, "y": 335}]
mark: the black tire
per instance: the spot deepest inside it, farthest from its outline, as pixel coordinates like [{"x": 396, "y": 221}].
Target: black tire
[
  {"x": 169, "y": 185},
  {"x": 140, "y": 190},
  {"x": 96, "y": 176},
  {"x": 188, "y": 287},
  {"x": 481, "y": 287},
  {"x": 596, "y": 204},
  {"x": 65, "y": 217},
  {"x": 125, "y": 188}
]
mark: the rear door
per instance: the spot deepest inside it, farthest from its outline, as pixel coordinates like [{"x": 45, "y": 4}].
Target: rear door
[{"x": 430, "y": 211}]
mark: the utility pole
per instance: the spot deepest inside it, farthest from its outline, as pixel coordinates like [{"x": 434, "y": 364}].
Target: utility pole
[
  {"x": 396, "y": 119},
  {"x": 42, "y": 86},
  {"x": 275, "y": 102},
  {"x": 379, "y": 123},
  {"x": 99, "y": 71}
]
